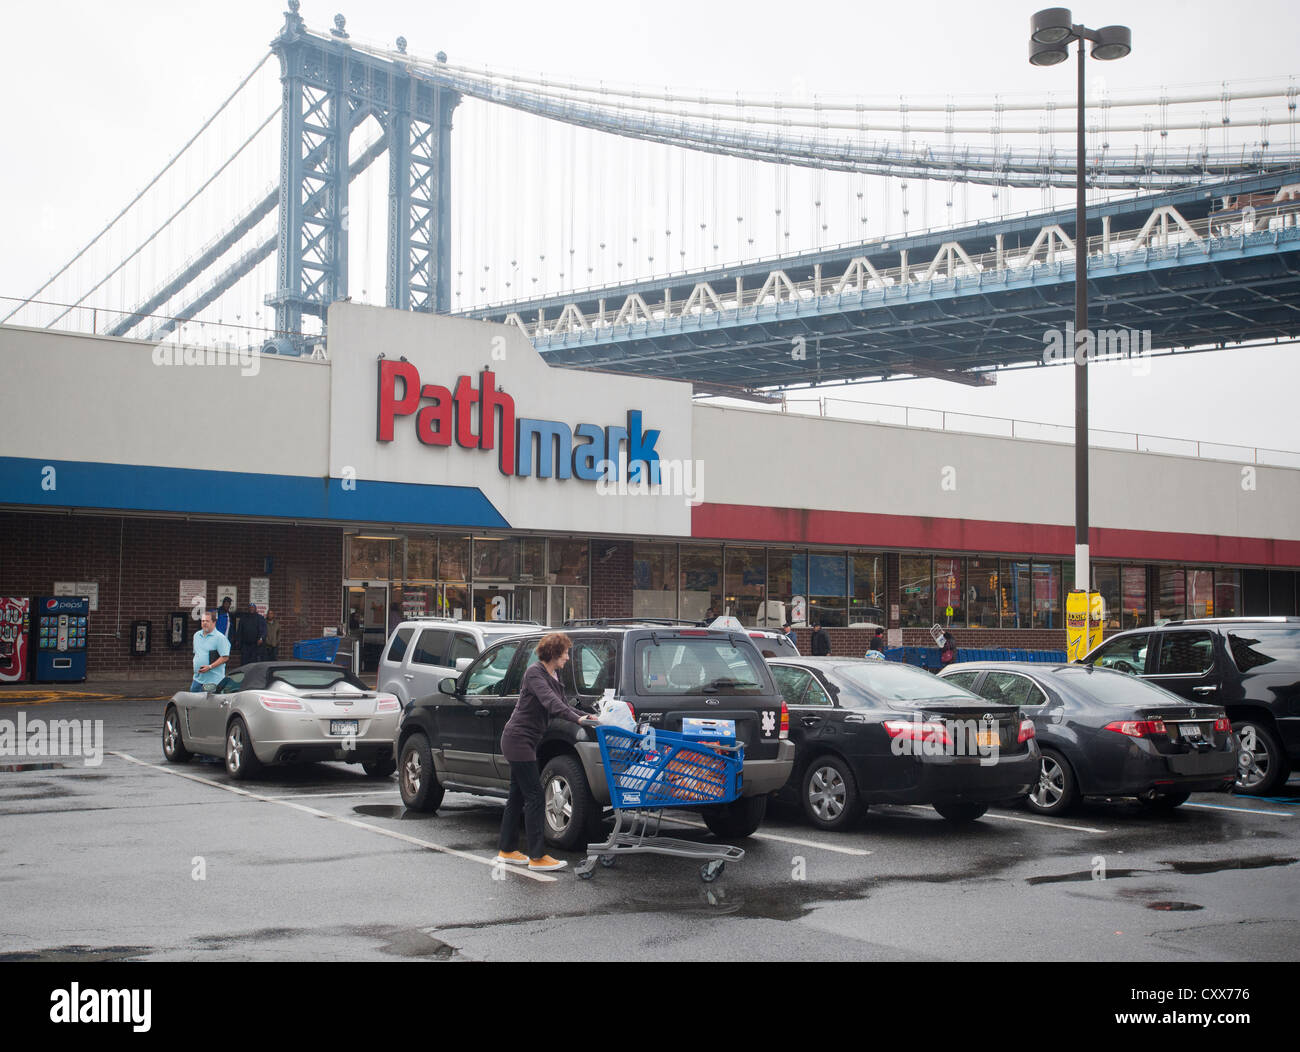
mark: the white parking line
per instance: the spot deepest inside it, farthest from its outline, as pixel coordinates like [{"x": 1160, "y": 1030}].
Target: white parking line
[
  {"x": 544, "y": 878},
  {"x": 837, "y": 848},
  {"x": 1243, "y": 810},
  {"x": 316, "y": 796},
  {"x": 1012, "y": 818}
]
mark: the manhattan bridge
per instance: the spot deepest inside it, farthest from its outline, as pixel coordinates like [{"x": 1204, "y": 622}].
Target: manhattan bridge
[{"x": 696, "y": 235}]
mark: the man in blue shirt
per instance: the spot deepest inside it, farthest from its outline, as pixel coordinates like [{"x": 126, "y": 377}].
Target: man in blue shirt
[
  {"x": 206, "y": 640},
  {"x": 224, "y": 618}
]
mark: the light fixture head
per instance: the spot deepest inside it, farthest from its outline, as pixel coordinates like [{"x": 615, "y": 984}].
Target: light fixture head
[
  {"x": 1112, "y": 42},
  {"x": 1051, "y": 26},
  {"x": 1048, "y": 54}
]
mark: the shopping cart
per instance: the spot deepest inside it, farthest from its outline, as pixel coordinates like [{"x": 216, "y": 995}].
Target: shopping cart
[{"x": 648, "y": 773}]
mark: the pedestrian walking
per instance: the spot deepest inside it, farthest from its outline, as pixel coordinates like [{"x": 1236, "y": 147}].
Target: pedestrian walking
[
  {"x": 251, "y": 634},
  {"x": 211, "y": 649},
  {"x": 540, "y": 699},
  {"x": 948, "y": 651},
  {"x": 878, "y": 640},
  {"x": 788, "y": 629},
  {"x": 225, "y": 618},
  {"x": 272, "y": 648},
  {"x": 821, "y": 641}
]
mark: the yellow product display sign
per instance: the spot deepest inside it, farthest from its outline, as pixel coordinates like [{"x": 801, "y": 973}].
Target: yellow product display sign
[{"x": 1076, "y": 625}]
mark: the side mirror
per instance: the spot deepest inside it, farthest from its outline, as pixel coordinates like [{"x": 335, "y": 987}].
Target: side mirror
[
  {"x": 463, "y": 663},
  {"x": 447, "y": 685}
]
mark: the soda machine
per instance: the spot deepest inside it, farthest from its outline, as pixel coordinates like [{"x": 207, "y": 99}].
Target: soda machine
[
  {"x": 15, "y": 632},
  {"x": 58, "y": 634}
]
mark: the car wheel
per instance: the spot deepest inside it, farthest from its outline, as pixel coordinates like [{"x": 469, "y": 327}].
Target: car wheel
[
  {"x": 740, "y": 818},
  {"x": 1261, "y": 764},
  {"x": 1056, "y": 790},
  {"x": 241, "y": 761},
  {"x": 830, "y": 793},
  {"x": 173, "y": 744},
  {"x": 960, "y": 810},
  {"x": 572, "y": 816},
  {"x": 1158, "y": 800},
  {"x": 380, "y": 768},
  {"x": 418, "y": 780}
]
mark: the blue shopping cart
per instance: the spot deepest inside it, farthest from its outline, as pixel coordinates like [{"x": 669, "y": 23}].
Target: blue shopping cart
[{"x": 649, "y": 772}]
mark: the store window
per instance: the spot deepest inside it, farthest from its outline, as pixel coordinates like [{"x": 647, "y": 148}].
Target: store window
[
  {"x": 1133, "y": 580},
  {"x": 700, "y": 594},
  {"x": 569, "y": 562},
  {"x": 949, "y": 592},
  {"x": 421, "y": 559},
  {"x": 914, "y": 609},
  {"x": 745, "y": 583},
  {"x": 1105, "y": 579},
  {"x": 1171, "y": 594},
  {"x": 1048, "y": 612},
  {"x": 532, "y": 560},
  {"x": 1200, "y": 593},
  {"x": 1227, "y": 593},
  {"x": 453, "y": 558},
  {"x": 495, "y": 559},
  {"x": 654, "y": 580},
  {"x": 827, "y": 589},
  {"x": 369, "y": 558},
  {"x": 787, "y": 578},
  {"x": 867, "y": 588},
  {"x": 982, "y": 593}
]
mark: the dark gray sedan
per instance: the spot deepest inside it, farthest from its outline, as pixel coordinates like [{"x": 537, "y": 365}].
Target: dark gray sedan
[{"x": 1105, "y": 733}]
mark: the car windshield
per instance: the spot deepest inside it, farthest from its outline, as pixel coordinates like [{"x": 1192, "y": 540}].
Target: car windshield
[
  {"x": 317, "y": 679},
  {"x": 1108, "y": 687},
  {"x": 889, "y": 681},
  {"x": 698, "y": 666}
]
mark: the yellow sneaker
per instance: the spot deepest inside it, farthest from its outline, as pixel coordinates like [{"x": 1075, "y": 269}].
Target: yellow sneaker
[
  {"x": 546, "y": 862},
  {"x": 513, "y": 858}
]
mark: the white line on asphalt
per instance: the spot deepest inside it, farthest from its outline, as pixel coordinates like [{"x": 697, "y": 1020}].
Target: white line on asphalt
[
  {"x": 838, "y": 849},
  {"x": 314, "y": 796},
  {"x": 1243, "y": 810},
  {"x": 483, "y": 860},
  {"x": 1013, "y": 818}
]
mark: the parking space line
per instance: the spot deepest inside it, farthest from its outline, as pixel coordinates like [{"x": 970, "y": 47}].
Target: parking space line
[
  {"x": 316, "y": 796},
  {"x": 837, "y": 848},
  {"x": 1016, "y": 818},
  {"x": 1242, "y": 810},
  {"x": 392, "y": 834}
]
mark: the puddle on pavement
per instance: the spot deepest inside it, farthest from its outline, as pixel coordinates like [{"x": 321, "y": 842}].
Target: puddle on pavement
[
  {"x": 10, "y": 768},
  {"x": 1173, "y": 906},
  {"x": 1193, "y": 869},
  {"x": 1084, "y": 876},
  {"x": 79, "y": 954},
  {"x": 413, "y": 943},
  {"x": 402, "y": 814}
]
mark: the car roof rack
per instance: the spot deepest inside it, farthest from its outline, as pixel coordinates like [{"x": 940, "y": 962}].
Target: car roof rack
[
  {"x": 1271, "y": 619},
  {"x": 602, "y": 622}
]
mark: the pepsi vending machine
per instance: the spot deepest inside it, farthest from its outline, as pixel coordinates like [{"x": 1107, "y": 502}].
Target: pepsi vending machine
[
  {"x": 59, "y": 638},
  {"x": 15, "y": 631}
]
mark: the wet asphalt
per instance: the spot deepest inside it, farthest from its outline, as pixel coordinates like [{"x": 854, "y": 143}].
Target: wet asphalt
[{"x": 138, "y": 859}]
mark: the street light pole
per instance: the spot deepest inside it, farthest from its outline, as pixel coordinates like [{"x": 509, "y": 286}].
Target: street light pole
[{"x": 1051, "y": 31}]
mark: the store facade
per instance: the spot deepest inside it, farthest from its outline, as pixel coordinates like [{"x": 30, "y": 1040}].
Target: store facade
[{"x": 438, "y": 467}]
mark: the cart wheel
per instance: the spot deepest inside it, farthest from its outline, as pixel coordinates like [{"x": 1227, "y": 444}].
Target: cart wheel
[
  {"x": 585, "y": 868},
  {"x": 711, "y": 871},
  {"x": 608, "y": 861}
]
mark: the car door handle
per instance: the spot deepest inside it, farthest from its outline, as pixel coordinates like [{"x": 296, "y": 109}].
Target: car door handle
[
  {"x": 482, "y": 712},
  {"x": 810, "y": 721},
  {"x": 1204, "y": 690},
  {"x": 407, "y": 675}
]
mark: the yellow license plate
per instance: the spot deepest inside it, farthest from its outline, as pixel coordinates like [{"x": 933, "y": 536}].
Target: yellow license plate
[{"x": 986, "y": 737}]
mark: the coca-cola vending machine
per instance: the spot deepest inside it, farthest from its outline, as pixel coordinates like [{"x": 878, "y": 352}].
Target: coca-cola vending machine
[{"x": 15, "y": 635}]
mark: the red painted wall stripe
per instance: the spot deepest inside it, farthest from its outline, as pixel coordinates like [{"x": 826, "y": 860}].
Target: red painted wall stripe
[{"x": 741, "y": 522}]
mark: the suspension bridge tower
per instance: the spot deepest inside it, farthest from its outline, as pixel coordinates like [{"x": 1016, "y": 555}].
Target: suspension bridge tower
[{"x": 329, "y": 89}]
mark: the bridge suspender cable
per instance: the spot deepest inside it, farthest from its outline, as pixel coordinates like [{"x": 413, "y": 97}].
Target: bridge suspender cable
[{"x": 152, "y": 182}]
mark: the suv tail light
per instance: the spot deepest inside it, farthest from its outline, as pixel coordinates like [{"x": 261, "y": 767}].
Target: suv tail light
[
  {"x": 1137, "y": 728},
  {"x": 917, "y": 731},
  {"x": 280, "y": 704},
  {"x": 785, "y": 721},
  {"x": 1223, "y": 724},
  {"x": 1026, "y": 731}
]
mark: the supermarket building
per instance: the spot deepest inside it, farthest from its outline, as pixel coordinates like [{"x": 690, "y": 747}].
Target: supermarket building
[{"x": 436, "y": 465}]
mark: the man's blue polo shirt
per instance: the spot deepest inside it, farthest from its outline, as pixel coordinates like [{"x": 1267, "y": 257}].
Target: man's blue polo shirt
[{"x": 204, "y": 644}]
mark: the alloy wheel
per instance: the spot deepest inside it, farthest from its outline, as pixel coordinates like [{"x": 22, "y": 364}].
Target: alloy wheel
[
  {"x": 412, "y": 774},
  {"x": 1252, "y": 759},
  {"x": 234, "y": 749},
  {"x": 827, "y": 793},
  {"x": 1050, "y": 786},
  {"x": 559, "y": 803},
  {"x": 171, "y": 734}
]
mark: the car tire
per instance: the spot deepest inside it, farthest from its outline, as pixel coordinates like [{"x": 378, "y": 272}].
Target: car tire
[
  {"x": 417, "y": 778},
  {"x": 381, "y": 768},
  {"x": 571, "y": 815},
  {"x": 1159, "y": 800},
  {"x": 829, "y": 793},
  {"x": 1266, "y": 765},
  {"x": 736, "y": 820},
  {"x": 960, "y": 811},
  {"x": 172, "y": 742},
  {"x": 241, "y": 761},
  {"x": 1057, "y": 788}
]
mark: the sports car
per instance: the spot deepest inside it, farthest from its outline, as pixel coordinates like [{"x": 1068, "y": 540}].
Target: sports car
[{"x": 280, "y": 712}]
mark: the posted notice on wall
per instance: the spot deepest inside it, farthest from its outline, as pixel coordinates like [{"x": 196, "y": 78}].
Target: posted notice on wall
[
  {"x": 193, "y": 594},
  {"x": 259, "y": 593},
  {"x": 893, "y": 637},
  {"x": 228, "y": 590},
  {"x": 86, "y": 589}
]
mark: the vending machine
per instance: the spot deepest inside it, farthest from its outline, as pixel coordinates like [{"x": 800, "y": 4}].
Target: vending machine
[
  {"x": 15, "y": 633},
  {"x": 58, "y": 633}
]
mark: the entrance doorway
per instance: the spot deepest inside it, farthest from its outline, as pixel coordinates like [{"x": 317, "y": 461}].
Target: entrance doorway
[
  {"x": 510, "y": 602},
  {"x": 366, "y": 616}
]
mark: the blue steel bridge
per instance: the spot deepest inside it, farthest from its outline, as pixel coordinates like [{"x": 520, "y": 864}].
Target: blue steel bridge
[{"x": 455, "y": 189}]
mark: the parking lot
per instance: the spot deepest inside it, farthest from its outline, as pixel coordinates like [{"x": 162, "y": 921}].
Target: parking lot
[{"x": 140, "y": 859}]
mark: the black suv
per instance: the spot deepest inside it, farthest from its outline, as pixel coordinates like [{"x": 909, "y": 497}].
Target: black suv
[
  {"x": 665, "y": 672},
  {"x": 1248, "y": 665}
]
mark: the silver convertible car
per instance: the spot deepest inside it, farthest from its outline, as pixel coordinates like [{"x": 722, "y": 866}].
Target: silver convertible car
[{"x": 284, "y": 712}]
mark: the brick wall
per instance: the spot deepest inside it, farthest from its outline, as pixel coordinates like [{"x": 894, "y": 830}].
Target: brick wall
[
  {"x": 155, "y": 554},
  {"x": 611, "y": 579}
]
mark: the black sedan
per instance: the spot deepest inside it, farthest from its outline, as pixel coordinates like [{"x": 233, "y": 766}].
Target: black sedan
[
  {"x": 1105, "y": 733},
  {"x": 873, "y": 731}
]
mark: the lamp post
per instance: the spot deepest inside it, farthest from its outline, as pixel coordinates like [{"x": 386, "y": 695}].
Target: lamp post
[{"x": 1051, "y": 32}]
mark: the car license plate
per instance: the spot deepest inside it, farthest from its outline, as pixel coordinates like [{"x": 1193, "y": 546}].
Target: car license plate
[
  {"x": 343, "y": 728},
  {"x": 1192, "y": 731},
  {"x": 986, "y": 738}
]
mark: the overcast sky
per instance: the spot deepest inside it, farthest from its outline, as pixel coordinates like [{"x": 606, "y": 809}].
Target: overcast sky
[{"x": 98, "y": 96}]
